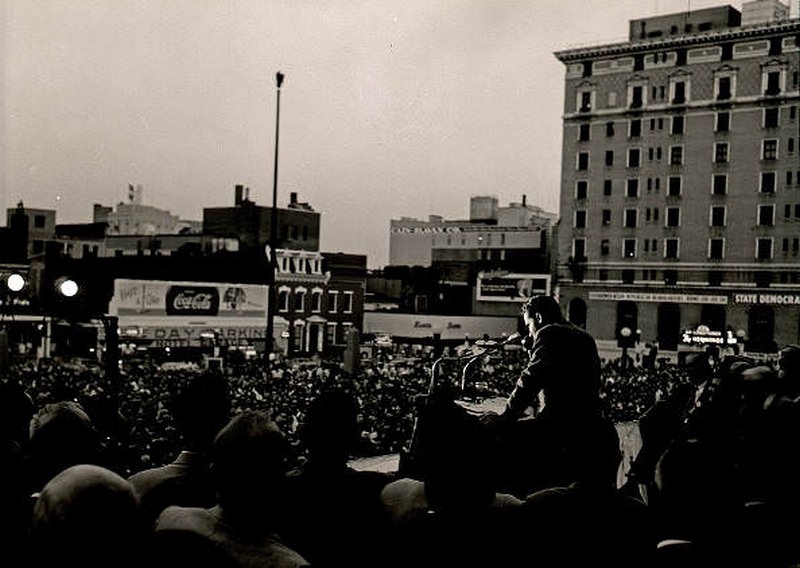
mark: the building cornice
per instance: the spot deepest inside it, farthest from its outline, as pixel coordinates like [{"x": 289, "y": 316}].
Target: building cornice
[
  {"x": 734, "y": 104},
  {"x": 629, "y": 47},
  {"x": 301, "y": 278}
]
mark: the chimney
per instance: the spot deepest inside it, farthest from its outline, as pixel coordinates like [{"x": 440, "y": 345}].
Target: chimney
[
  {"x": 293, "y": 198},
  {"x": 524, "y": 199},
  {"x": 238, "y": 195},
  {"x": 247, "y": 193}
]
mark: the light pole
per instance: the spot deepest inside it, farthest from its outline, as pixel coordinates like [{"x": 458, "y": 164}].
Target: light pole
[{"x": 272, "y": 297}]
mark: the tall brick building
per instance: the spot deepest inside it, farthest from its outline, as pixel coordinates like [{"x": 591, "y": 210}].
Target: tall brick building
[{"x": 680, "y": 186}]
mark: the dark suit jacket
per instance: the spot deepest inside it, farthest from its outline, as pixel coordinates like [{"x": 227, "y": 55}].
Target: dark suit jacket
[
  {"x": 564, "y": 364},
  {"x": 185, "y": 482}
]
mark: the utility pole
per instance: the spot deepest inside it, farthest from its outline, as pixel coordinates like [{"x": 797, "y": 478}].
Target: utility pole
[{"x": 272, "y": 296}]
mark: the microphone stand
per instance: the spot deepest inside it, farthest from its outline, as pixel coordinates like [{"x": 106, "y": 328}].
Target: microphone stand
[{"x": 435, "y": 372}]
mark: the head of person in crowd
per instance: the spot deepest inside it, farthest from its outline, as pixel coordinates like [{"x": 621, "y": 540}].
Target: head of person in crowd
[
  {"x": 789, "y": 363},
  {"x": 539, "y": 311},
  {"x": 699, "y": 367},
  {"x": 330, "y": 428},
  {"x": 757, "y": 383},
  {"x": 201, "y": 405},
  {"x": 88, "y": 516},
  {"x": 734, "y": 365},
  {"x": 694, "y": 492},
  {"x": 248, "y": 467},
  {"x": 61, "y": 435}
]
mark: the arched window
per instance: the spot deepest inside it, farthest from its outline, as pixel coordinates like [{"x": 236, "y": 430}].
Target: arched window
[
  {"x": 627, "y": 316},
  {"x": 713, "y": 316},
  {"x": 669, "y": 325},
  {"x": 577, "y": 312},
  {"x": 761, "y": 329}
]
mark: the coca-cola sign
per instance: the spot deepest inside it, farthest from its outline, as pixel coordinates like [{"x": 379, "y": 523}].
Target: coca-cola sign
[{"x": 192, "y": 301}]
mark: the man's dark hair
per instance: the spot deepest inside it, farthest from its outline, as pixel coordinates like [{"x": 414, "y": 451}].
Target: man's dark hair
[
  {"x": 790, "y": 358},
  {"x": 201, "y": 407},
  {"x": 546, "y": 306}
]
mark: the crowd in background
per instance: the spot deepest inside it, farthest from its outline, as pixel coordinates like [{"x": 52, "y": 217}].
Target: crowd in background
[
  {"x": 385, "y": 389},
  {"x": 714, "y": 481}
]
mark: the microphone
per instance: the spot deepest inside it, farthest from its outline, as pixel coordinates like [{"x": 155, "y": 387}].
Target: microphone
[{"x": 512, "y": 338}]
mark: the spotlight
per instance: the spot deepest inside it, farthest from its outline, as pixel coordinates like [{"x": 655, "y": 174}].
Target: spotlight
[
  {"x": 67, "y": 287},
  {"x": 15, "y": 282}
]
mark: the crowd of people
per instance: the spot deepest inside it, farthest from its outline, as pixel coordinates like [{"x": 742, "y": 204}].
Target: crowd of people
[{"x": 245, "y": 468}]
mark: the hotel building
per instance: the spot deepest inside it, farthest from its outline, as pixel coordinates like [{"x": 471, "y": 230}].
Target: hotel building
[{"x": 680, "y": 186}]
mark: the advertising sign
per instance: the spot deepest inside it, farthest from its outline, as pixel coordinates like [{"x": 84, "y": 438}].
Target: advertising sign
[
  {"x": 703, "y": 335},
  {"x": 188, "y": 300},
  {"x": 192, "y": 301},
  {"x": 658, "y": 297},
  {"x": 446, "y": 327},
  {"x": 511, "y": 287},
  {"x": 189, "y": 314}
]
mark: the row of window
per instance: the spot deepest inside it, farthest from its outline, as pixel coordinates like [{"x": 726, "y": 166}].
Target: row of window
[
  {"x": 302, "y": 337},
  {"x": 640, "y": 92},
  {"x": 295, "y": 232},
  {"x": 763, "y": 279},
  {"x": 769, "y": 153},
  {"x": 671, "y": 247},
  {"x": 681, "y": 56},
  {"x": 771, "y": 118},
  {"x": 717, "y": 216},
  {"x": 634, "y": 158},
  {"x": 299, "y": 265},
  {"x": 297, "y": 299},
  {"x": 768, "y": 182}
]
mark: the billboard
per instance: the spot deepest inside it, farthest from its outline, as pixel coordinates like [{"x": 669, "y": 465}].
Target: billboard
[
  {"x": 421, "y": 326},
  {"x": 176, "y": 300},
  {"x": 510, "y": 287},
  {"x": 189, "y": 314}
]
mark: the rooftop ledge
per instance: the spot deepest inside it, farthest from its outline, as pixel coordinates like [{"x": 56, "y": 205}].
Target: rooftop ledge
[{"x": 757, "y": 30}]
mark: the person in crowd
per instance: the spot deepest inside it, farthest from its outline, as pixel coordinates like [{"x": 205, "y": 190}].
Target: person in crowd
[
  {"x": 787, "y": 391},
  {"x": 564, "y": 367},
  {"x": 248, "y": 469},
  {"x": 755, "y": 384},
  {"x": 664, "y": 420},
  {"x": 451, "y": 514},
  {"x": 334, "y": 511},
  {"x": 589, "y": 521},
  {"x": 88, "y": 516},
  {"x": 700, "y": 519},
  {"x": 61, "y": 435},
  {"x": 200, "y": 408},
  {"x": 16, "y": 411},
  {"x": 781, "y": 444}
]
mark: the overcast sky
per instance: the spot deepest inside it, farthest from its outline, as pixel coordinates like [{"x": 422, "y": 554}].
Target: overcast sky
[{"x": 389, "y": 108}]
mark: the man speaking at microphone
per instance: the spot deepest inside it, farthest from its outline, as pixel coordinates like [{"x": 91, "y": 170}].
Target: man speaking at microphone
[{"x": 565, "y": 367}]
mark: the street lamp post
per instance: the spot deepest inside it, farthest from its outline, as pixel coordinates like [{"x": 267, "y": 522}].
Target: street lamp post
[{"x": 273, "y": 235}]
